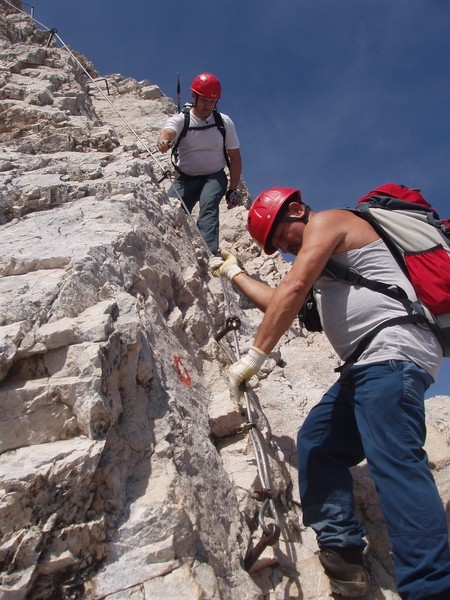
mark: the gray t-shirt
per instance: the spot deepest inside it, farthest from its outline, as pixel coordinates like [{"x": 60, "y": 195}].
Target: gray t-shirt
[{"x": 349, "y": 312}]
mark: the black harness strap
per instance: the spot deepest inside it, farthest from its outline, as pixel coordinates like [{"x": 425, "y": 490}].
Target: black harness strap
[
  {"x": 218, "y": 123},
  {"x": 352, "y": 277},
  {"x": 363, "y": 344}
]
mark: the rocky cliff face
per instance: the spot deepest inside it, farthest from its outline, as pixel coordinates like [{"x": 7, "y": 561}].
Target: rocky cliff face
[{"x": 127, "y": 470}]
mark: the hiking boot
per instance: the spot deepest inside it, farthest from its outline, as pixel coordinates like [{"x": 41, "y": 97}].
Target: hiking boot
[{"x": 345, "y": 570}]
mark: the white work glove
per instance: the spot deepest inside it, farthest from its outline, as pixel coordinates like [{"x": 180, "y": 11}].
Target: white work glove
[
  {"x": 226, "y": 265},
  {"x": 245, "y": 368}
]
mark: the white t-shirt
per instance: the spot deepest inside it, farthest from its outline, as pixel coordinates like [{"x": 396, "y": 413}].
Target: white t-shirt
[
  {"x": 201, "y": 152},
  {"x": 349, "y": 312}
]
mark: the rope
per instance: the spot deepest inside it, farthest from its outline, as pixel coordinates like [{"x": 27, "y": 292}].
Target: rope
[{"x": 262, "y": 460}]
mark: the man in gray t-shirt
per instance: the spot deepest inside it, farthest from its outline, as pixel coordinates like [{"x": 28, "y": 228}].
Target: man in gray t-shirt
[{"x": 375, "y": 410}]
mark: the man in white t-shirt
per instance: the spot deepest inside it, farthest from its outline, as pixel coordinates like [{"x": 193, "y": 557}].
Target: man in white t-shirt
[
  {"x": 208, "y": 146},
  {"x": 375, "y": 411}
]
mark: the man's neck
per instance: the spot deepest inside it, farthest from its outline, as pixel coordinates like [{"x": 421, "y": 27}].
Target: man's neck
[{"x": 203, "y": 116}]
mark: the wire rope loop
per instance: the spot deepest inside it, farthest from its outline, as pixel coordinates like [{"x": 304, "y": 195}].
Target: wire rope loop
[{"x": 268, "y": 529}]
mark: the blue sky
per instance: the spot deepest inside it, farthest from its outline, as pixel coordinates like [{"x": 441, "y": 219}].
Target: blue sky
[{"x": 331, "y": 96}]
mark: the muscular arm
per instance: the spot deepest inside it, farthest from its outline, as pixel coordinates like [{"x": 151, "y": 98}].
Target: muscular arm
[
  {"x": 321, "y": 237},
  {"x": 235, "y": 167},
  {"x": 257, "y": 292}
]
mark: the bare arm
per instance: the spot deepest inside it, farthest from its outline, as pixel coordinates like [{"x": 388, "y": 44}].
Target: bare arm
[
  {"x": 321, "y": 237},
  {"x": 235, "y": 167},
  {"x": 227, "y": 265},
  {"x": 257, "y": 292}
]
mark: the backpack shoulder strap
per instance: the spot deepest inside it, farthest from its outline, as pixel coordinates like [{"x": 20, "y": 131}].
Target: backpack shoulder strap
[
  {"x": 363, "y": 211},
  {"x": 352, "y": 277},
  {"x": 218, "y": 122},
  {"x": 364, "y": 343},
  {"x": 174, "y": 155},
  {"x": 221, "y": 127}
]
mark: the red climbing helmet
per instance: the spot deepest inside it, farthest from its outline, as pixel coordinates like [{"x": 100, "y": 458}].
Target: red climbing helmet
[
  {"x": 263, "y": 213},
  {"x": 207, "y": 85}
]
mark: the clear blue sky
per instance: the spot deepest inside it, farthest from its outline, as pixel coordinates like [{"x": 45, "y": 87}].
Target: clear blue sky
[{"x": 331, "y": 96}]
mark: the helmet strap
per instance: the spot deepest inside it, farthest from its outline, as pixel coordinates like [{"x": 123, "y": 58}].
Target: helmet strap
[{"x": 305, "y": 217}]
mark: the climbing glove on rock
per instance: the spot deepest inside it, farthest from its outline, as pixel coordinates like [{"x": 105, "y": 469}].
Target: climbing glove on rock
[
  {"x": 226, "y": 265},
  {"x": 245, "y": 368}
]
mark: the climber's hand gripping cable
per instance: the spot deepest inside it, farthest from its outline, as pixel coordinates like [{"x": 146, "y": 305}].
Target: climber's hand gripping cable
[
  {"x": 226, "y": 264},
  {"x": 245, "y": 368}
]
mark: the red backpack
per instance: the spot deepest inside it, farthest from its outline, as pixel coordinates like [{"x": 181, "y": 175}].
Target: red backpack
[{"x": 420, "y": 242}]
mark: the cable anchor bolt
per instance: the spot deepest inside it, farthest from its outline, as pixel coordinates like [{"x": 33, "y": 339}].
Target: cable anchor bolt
[
  {"x": 52, "y": 32},
  {"x": 166, "y": 175},
  {"x": 262, "y": 494},
  {"x": 267, "y": 539},
  {"x": 232, "y": 323},
  {"x": 244, "y": 428}
]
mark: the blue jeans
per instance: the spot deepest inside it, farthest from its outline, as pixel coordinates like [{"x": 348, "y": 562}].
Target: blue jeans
[
  {"x": 208, "y": 190},
  {"x": 377, "y": 413}
]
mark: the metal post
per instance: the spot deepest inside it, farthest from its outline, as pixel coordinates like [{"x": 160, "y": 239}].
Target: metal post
[{"x": 53, "y": 31}]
